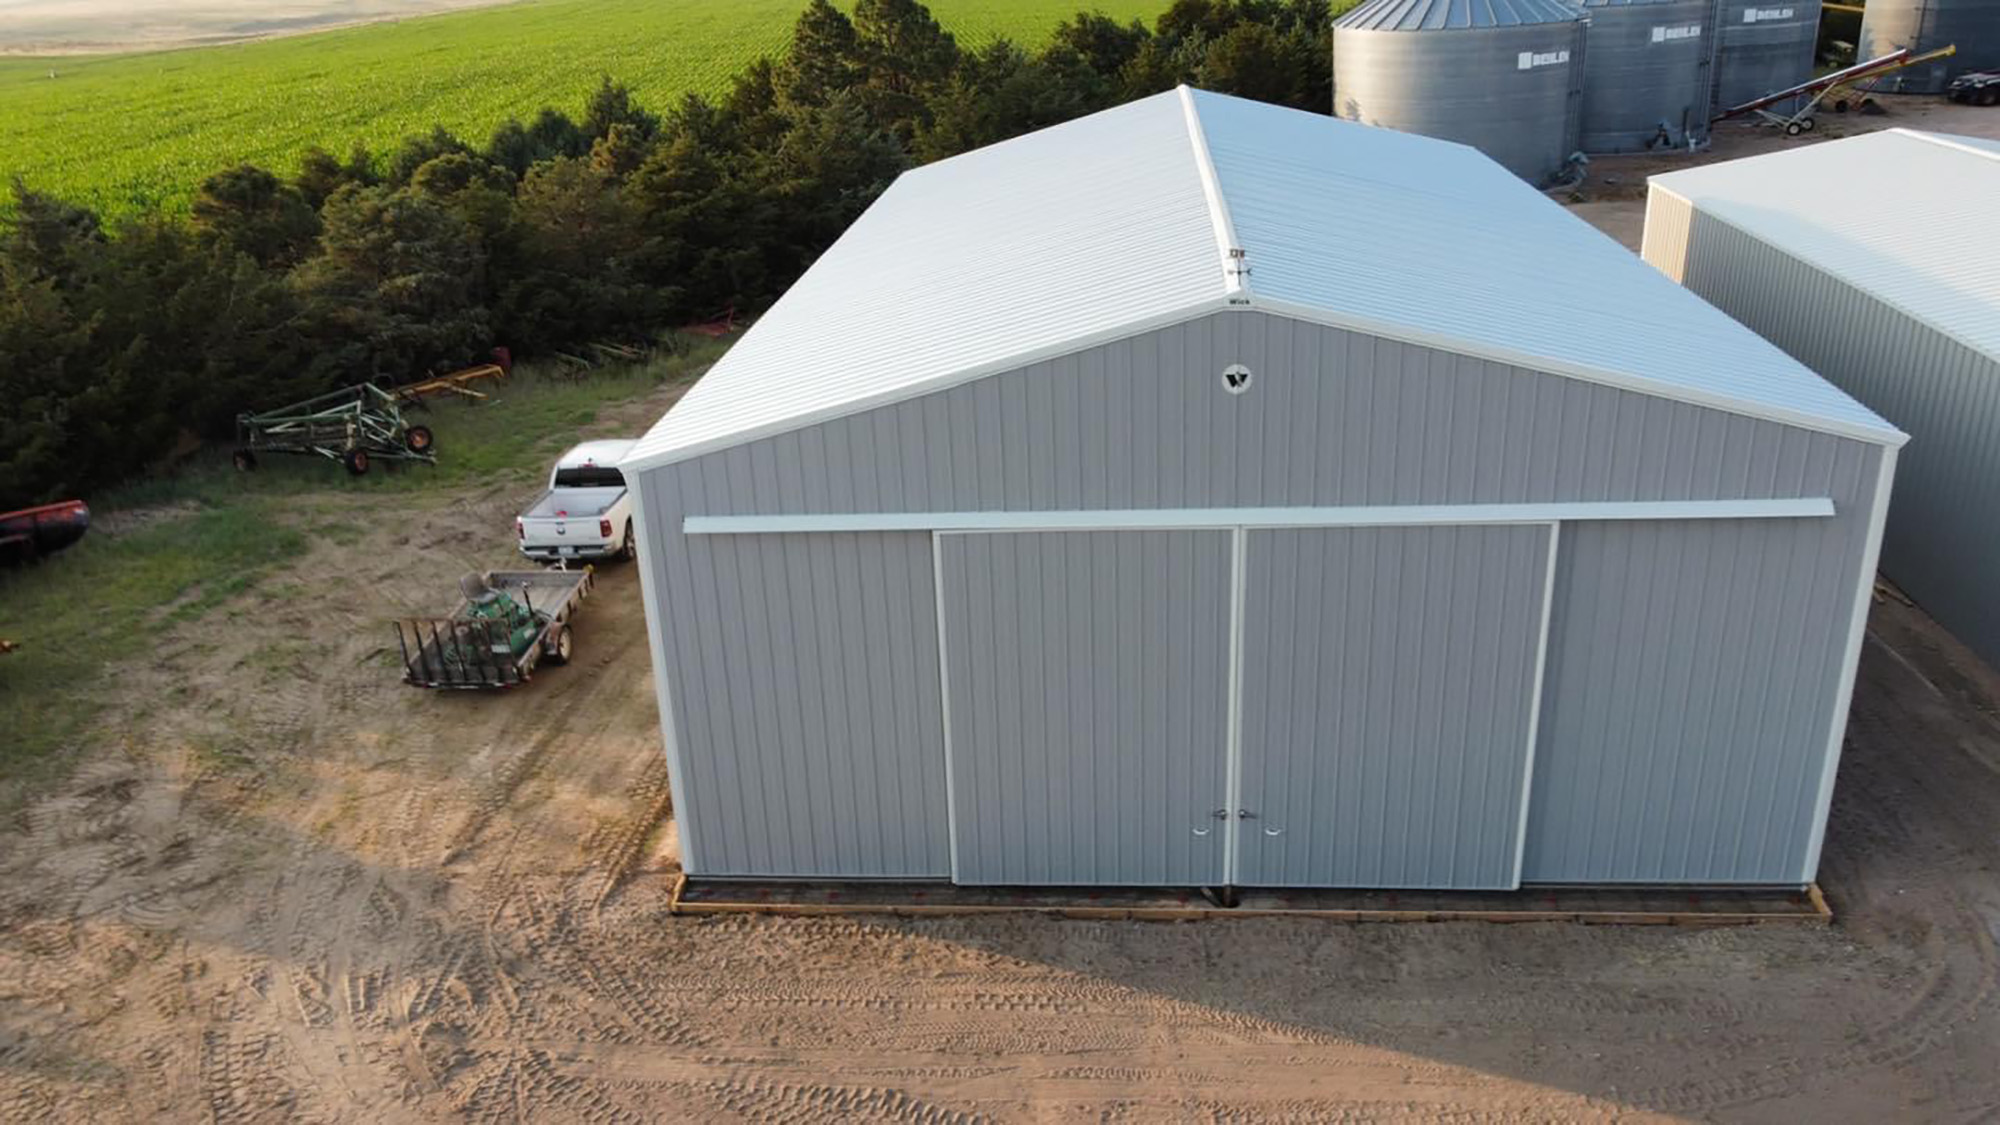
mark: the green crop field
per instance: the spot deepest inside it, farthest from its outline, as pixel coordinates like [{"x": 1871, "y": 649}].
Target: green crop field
[{"x": 127, "y": 132}]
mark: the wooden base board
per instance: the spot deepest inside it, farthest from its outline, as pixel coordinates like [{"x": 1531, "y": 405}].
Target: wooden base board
[{"x": 1598, "y": 906}]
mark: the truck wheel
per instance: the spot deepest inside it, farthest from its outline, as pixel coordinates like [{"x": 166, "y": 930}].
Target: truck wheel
[
  {"x": 244, "y": 460},
  {"x": 418, "y": 439},
  {"x": 356, "y": 461},
  {"x": 1988, "y": 95},
  {"x": 630, "y": 549},
  {"x": 559, "y": 646}
]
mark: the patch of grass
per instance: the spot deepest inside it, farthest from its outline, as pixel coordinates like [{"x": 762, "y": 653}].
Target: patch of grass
[
  {"x": 107, "y": 600},
  {"x": 110, "y": 598},
  {"x": 532, "y": 416},
  {"x": 124, "y": 133}
]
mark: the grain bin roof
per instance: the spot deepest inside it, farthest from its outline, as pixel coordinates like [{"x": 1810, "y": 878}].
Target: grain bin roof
[
  {"x": 1440, "y": 15},
  {"x": 1907, "y": 217},
  {"x": 1115, "y": 223}
]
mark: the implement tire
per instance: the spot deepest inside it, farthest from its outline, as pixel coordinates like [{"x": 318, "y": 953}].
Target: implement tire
[{"x": 356, "y": 461}]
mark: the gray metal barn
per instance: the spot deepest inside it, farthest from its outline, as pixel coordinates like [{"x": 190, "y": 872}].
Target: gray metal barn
[
  {"x": 1505, "y": 76},
  {"x": 1897, "y": 301},
  {"x": 1203, "y": 492}
]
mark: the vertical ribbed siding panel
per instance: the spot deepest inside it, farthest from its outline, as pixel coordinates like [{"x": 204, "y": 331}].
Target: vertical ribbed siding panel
[
  {"x": 1087, "y": 675},
  {"x": 1945, "y": 395},
  {"x": 1332, "y": 418},
  {"x": 1691, "y": 674},
  {"x": 808, "y": 665},
  {"x": 1387, "y": 685}
]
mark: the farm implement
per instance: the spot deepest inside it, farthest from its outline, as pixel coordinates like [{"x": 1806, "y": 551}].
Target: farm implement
[
  {"x": 458, "y": 383},
  {"x": 354, "y": 426},
  {"x": 508, "y": 623},
  {"x": 1840, "y": 86}
]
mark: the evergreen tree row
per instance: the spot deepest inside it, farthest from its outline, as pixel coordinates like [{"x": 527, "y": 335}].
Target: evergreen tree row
[{"x": 116, "y": 344}]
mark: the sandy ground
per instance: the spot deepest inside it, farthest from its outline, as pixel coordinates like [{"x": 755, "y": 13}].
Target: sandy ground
[
  {"x": 285, "y": 887},
  {"x": 55, "y": 27}
]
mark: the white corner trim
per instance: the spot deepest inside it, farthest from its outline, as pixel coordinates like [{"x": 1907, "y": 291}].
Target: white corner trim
[
  {"x": 1850, "y": 663},
  {"x": 1535, "y": 704},
  {"x": 656, "y": 629},
  {"x": 1131, "y": 519},
  {"x": 1233, "y": 283},
  {"x": 1232, "y": 751},
  {"x": 1672, "y": 392},
  {"x": 944, "y": 700}
]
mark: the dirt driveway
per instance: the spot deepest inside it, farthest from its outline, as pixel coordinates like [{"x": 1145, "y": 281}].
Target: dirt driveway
[{"x": 285, "y": 887}]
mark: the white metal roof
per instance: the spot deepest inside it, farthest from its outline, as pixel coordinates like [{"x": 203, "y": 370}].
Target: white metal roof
[
  {"x": 1906, "y": 216},
  {"x": 1106, "y": 226}
]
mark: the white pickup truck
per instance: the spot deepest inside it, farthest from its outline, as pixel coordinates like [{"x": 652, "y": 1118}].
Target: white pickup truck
[{"x": 586, "y": 513}]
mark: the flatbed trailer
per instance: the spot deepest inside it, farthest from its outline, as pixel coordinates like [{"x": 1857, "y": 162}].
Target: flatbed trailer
[{"x": 468, "y": 652}]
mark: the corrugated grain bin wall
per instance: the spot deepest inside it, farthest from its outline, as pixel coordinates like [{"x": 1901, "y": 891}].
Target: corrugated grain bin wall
[
  {"x": 1646, "y": 82},
  {"x": 1762, "y": 46},
  {"x": 1973, "y": 26},
  {"x": 1504, "y": 77}
]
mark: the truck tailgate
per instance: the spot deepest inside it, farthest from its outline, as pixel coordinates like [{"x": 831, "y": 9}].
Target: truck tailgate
[{"x": 572, "y": 503}]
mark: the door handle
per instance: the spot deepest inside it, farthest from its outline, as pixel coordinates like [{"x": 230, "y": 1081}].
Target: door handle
[{"x": 1245, "y": 814}]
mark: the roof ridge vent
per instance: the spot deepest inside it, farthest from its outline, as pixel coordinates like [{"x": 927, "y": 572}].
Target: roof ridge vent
[{"x": 1234, "y": 259}]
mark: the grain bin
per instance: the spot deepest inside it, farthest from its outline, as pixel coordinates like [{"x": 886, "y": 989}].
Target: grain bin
[
  {"x": 1646, "y": 82},
  {"x": 1762, "y": 46},
  {"x": 1504, "y": 76},
  {"x": 1925, "y": 25}
]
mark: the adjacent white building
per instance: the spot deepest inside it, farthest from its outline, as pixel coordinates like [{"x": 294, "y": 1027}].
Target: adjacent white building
[{"x": 1875, "y": 261}]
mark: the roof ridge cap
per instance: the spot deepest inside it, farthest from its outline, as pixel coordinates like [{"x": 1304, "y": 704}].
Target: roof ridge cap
[
  {"x": 1944, "y": 140},
  {"x": 1235, "y": 268}
]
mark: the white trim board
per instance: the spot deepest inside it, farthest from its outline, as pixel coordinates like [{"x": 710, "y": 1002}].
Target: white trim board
[
  {"x": 944, "y": 701},
  {"x": 656, "y": 647},
  {"x": 1135, "y": 519},
  {"x": 1535, "y": 703},
  {"x": 1850, "y": 663}
]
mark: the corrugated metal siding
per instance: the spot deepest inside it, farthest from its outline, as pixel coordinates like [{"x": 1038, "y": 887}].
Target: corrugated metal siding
[
  {"x": 1332, "y": 418},
  {"x": 1388, "y": 677},
  {"x": 1088, "y": 677},
  {"x": 1467, "y": 86},
  {"x": 807, "y": 702},
  {"x": 1692, "y": 668},
  {"x": 1439, "y": 15},
  {"x": 1945, "y": 394}
]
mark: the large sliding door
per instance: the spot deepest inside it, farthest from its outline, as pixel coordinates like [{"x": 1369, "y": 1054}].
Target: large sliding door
[
  {"x": 1388, "y": 691},
  {"x": 1086, "y": 676}
]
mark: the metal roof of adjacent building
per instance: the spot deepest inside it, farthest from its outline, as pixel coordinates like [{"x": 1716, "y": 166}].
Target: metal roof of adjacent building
[
  {"x": 1905, "y": 216},
  {"x": 1441, "y": 15},
  {"x": 1122, "y": 221}
]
